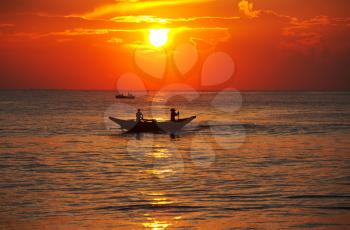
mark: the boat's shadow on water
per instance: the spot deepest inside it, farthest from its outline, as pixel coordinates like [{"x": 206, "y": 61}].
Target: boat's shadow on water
[
  {"x": 141, "y": 136},
  {"x": 188, "y": 132}
]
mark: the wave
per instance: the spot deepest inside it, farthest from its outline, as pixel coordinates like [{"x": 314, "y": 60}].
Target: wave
[
  {"x": 319, "y": 197},
  {"x": 183, "y": 208},
  {"x": 275, "y": 129}
]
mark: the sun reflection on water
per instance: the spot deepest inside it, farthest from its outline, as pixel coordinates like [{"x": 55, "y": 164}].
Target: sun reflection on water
[
  {"x": 161, "y": 201},
  {"x": 160, "y": 173},
  {"x": 155, "y": 225},
  {"x": 159, "y": 153},
  {"x": 166, "y": 164},
  {"x": 156, "y": 198},
  {"x": 159, "y": 223}
]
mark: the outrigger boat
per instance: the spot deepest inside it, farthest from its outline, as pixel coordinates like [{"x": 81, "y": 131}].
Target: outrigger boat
[
  {"x": 122, "y": 96},
  {"x": 152, "y": 126}
]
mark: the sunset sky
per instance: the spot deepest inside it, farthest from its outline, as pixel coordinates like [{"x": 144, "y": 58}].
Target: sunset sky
[{"x": 89, "y": 44}]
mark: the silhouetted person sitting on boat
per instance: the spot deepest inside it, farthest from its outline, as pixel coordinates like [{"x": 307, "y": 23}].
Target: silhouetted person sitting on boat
[
  {"x": 173, "y": 114},
  {"x": 139, "y": 115}
]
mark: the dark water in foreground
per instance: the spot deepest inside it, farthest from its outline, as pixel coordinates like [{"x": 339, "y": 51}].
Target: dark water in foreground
[{"x": 279, "y": 161}]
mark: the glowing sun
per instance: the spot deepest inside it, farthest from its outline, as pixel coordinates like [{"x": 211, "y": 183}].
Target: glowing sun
[{"x": 158, "y": 37}]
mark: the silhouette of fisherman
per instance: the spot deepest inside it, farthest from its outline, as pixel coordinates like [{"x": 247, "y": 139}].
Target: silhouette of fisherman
[
  {"x": 173, "y": 114},
  {"x": 139, "y": 115}
]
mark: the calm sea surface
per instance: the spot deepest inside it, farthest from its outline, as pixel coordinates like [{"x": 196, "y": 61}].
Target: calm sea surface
[{"x": 249, "y": 161}]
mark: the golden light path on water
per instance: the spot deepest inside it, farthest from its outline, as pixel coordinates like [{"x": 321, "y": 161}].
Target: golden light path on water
[{"x": 159, "y": 198}]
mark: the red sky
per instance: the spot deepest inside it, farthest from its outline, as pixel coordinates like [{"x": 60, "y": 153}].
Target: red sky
[{"x": 80, "y": 44}]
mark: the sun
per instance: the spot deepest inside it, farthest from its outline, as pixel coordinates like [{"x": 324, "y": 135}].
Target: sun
[{"x": 158, "y": 37}]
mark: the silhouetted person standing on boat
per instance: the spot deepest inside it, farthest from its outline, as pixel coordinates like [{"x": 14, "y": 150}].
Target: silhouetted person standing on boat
[
  {"x": 173, "y": 114},
  {"x": 139, "y": 115}
]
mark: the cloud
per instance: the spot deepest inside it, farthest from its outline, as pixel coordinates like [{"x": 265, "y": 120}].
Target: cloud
[
  {"x": 140, "y": 19},
  {"x": 5, "y": 25},
  {"x": 62, "y": 28},
  {"x": 126, "y": 7},
  {"x": 115, "y": 40},
  {"x": 247, "y": 8},
  {"x": 54, "y": 7},
  {"x": 315, "y": 34}
]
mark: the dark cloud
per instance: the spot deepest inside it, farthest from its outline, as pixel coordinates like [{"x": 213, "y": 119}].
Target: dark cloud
[{"x": 306, "y": 9}]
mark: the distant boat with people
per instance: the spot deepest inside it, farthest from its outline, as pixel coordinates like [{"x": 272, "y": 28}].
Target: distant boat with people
[{"x": 125, "y": 96}]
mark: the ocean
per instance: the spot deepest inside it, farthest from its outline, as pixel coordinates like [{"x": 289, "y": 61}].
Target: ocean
[{"x": 251, "y": 160}]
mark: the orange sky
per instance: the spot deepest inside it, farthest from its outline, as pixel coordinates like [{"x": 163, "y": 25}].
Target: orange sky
[{"x": 276, "y": 45}]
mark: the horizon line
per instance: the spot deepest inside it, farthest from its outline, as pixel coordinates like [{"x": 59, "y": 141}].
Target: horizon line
[{"x": 179, "y": 90}]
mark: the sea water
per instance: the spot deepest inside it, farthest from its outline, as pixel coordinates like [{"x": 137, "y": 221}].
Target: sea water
[{"x": 251, "y": 160}]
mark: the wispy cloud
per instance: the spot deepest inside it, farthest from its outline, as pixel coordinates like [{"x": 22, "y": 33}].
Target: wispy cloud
[
  {"x": 136, "y": 6},
  {"x": 310, "y": 35},
  {"x": 139, "y": 19},
  {"x": 6, "y": 25},
  {"x": 157, "y": 20}
]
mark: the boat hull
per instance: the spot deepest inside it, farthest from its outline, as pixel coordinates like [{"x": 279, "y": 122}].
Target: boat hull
[
  {"x": 125, "y": 97},
  {"x": 152, "y": 126}
]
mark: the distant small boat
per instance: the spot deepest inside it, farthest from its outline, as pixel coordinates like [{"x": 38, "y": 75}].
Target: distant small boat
[
  {"x": 152, "y": 126},
  {"x": 127, "y": 96}
]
